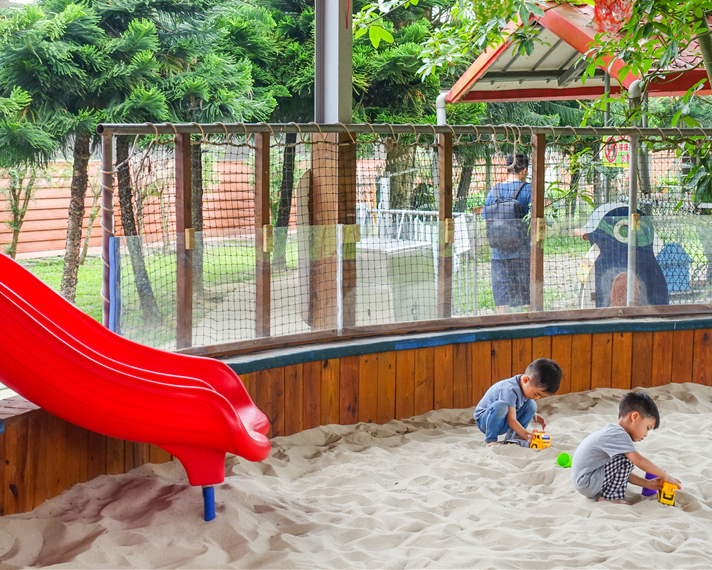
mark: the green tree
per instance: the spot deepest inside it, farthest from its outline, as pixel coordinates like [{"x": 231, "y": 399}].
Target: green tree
[
  {"x": 24, "y": 149},
  {"x": 131, "y": 96},
  {"x": 22, "y": 140},
  {"x": 655, "y": 34},
  {"x": 188, "y": 82},
  {"x": 50, "y": 50},
  {"x": 388, "y": 90},
  {"x": 151, "y": 40},
  {"x": 214, "y": 86},
  {"x": 278, "y": 39},
  {"x": 651, "y": 40}
]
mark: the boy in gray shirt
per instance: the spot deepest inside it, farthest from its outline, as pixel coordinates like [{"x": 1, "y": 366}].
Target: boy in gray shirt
[
  {"x": 509, "y": 405},
  {"x": 602, "y": 465}
]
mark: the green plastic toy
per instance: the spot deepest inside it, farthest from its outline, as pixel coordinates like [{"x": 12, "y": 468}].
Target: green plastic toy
[{"x": 564, "y": 460}]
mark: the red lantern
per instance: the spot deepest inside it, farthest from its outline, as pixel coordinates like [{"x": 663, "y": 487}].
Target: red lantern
[{"x": 609, "y": 15}]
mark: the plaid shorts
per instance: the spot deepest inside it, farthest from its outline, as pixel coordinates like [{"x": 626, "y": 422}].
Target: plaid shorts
[{"x": 615, "y": 477}]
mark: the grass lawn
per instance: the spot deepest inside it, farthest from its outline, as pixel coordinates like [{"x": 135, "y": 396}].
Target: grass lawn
[{"x": 89, "y": 284}]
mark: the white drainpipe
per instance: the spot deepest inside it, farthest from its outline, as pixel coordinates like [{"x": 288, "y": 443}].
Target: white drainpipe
[{"x": 440, "y": 114}]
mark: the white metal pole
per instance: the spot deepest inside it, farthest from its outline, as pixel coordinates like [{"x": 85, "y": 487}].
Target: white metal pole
[
  {"x": 633, "y": 222},
  {"x": 333, "y": 61},
  {"x": 633, "y": 217}
]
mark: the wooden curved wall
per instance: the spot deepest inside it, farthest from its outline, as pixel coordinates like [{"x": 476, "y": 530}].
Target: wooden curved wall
[
  {"x": 380, "y": 380},
  {"x": 371, "y": 380}
]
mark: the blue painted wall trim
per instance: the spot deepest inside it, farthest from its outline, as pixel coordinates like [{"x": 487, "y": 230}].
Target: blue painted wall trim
[{"x": 265, "y": 360}]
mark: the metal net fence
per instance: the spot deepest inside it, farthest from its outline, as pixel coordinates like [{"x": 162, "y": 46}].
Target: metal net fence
[{"x": 243, "y": 233}]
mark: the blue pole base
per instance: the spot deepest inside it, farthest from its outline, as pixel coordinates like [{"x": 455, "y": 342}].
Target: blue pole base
[{"x": 209, "y": 503}]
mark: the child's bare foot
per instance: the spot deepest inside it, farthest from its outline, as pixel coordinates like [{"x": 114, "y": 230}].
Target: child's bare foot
[
  {"x": 491, "y": 443},
  {"x": 617, "y": 501}
]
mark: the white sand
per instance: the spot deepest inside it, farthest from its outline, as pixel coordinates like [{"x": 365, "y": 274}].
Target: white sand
[{"x": 409, "y": 494}]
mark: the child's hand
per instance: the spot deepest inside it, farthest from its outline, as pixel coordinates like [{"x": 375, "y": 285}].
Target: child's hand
[
  {"x": 540, "y": 420},
  {"x": 671, "y": 480},
  {"x": 657, "y": 483},
  {"x": 654, "y": 484}
]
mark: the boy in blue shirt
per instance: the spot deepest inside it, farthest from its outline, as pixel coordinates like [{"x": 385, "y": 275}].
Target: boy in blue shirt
[{"x": 509, "y": 405}]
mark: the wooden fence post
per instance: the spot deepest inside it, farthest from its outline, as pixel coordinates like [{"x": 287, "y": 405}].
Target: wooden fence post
[
  {"x": 347, "y": 218},
  {"x": 325, "y": 217},
  {"x": 446, "y": 225},
  {"x": 185, "y": 242},
  {"x": 538, "y": 223},
  {"x": 263, "y": 236}
]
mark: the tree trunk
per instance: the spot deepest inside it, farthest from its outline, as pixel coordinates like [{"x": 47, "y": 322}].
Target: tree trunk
[
  {"x": 284, "y": 211},
  {"x": 488, "y": 169},
  {"x": 149, "y": 307},
  {"x": 398, "y": 162},
  {"x": 80, "y": 178},
  {"x": 165, "y": 223},
  {"x": 574, "y": 190},
  {"x": 94, "y": 212},
  {"x": 196, "y": 182},
  {"x": 463, "y": 187},
  {"x": 597, "y": 188},
  {"x": 705, "y": 42},
  {"x": 19, "y": 199}
]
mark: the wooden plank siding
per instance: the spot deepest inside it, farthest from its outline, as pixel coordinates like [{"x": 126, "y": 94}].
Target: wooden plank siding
[
  {"x": 561, "y": 352},
  {"x": 443, "y": 395},
  {"x": 386, "y": 387},
  {"x": 43, "y": 455},
  {"x": 348, "y": 390},
  {"x": 481, "y": 358},
  {"x": 367, "y": 410},
  {"x": 45, "y": 225},
  {"x": 398, "y": 384},
  {"x": 227, "y": 206},
  {"x": 462, "y": 376},
  {"x": 602, "y": 355},
  {"x": 682, "y": 355},
  {"x": 702, "y": 357}
]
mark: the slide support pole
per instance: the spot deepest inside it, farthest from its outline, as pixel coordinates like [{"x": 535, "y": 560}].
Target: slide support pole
[{"x": 209, "y": 502}]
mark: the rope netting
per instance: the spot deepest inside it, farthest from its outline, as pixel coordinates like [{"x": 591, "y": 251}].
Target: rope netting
[{"x": 352, "y": 233}]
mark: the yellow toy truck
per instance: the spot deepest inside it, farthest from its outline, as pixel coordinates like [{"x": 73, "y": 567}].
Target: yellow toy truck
[
  {"x": 540, "y": 440},
  {"x": 666, "y": 495}
]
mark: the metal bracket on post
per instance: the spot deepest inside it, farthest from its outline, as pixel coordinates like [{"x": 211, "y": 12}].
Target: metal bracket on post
[
  {"x": 447, "y": 231},
  {"x": 538, "y": 230},
  {"x": 635, "y": 222},
  {"x": 189, "y": 238},
  {"x": 267, "y": 238},
  {"x": 351, "y": 233},
  {"x": 450, "y": 230}
]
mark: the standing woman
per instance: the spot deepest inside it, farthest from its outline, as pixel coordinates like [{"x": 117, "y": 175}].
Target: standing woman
[{"x": 510, "y": 265}]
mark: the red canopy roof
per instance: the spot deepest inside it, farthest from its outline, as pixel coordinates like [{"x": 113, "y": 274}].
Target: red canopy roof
[{"x": 553, "y": 70}]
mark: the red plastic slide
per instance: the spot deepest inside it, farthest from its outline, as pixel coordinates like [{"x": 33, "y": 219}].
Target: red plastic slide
[{"x": 64, "y": 361}]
